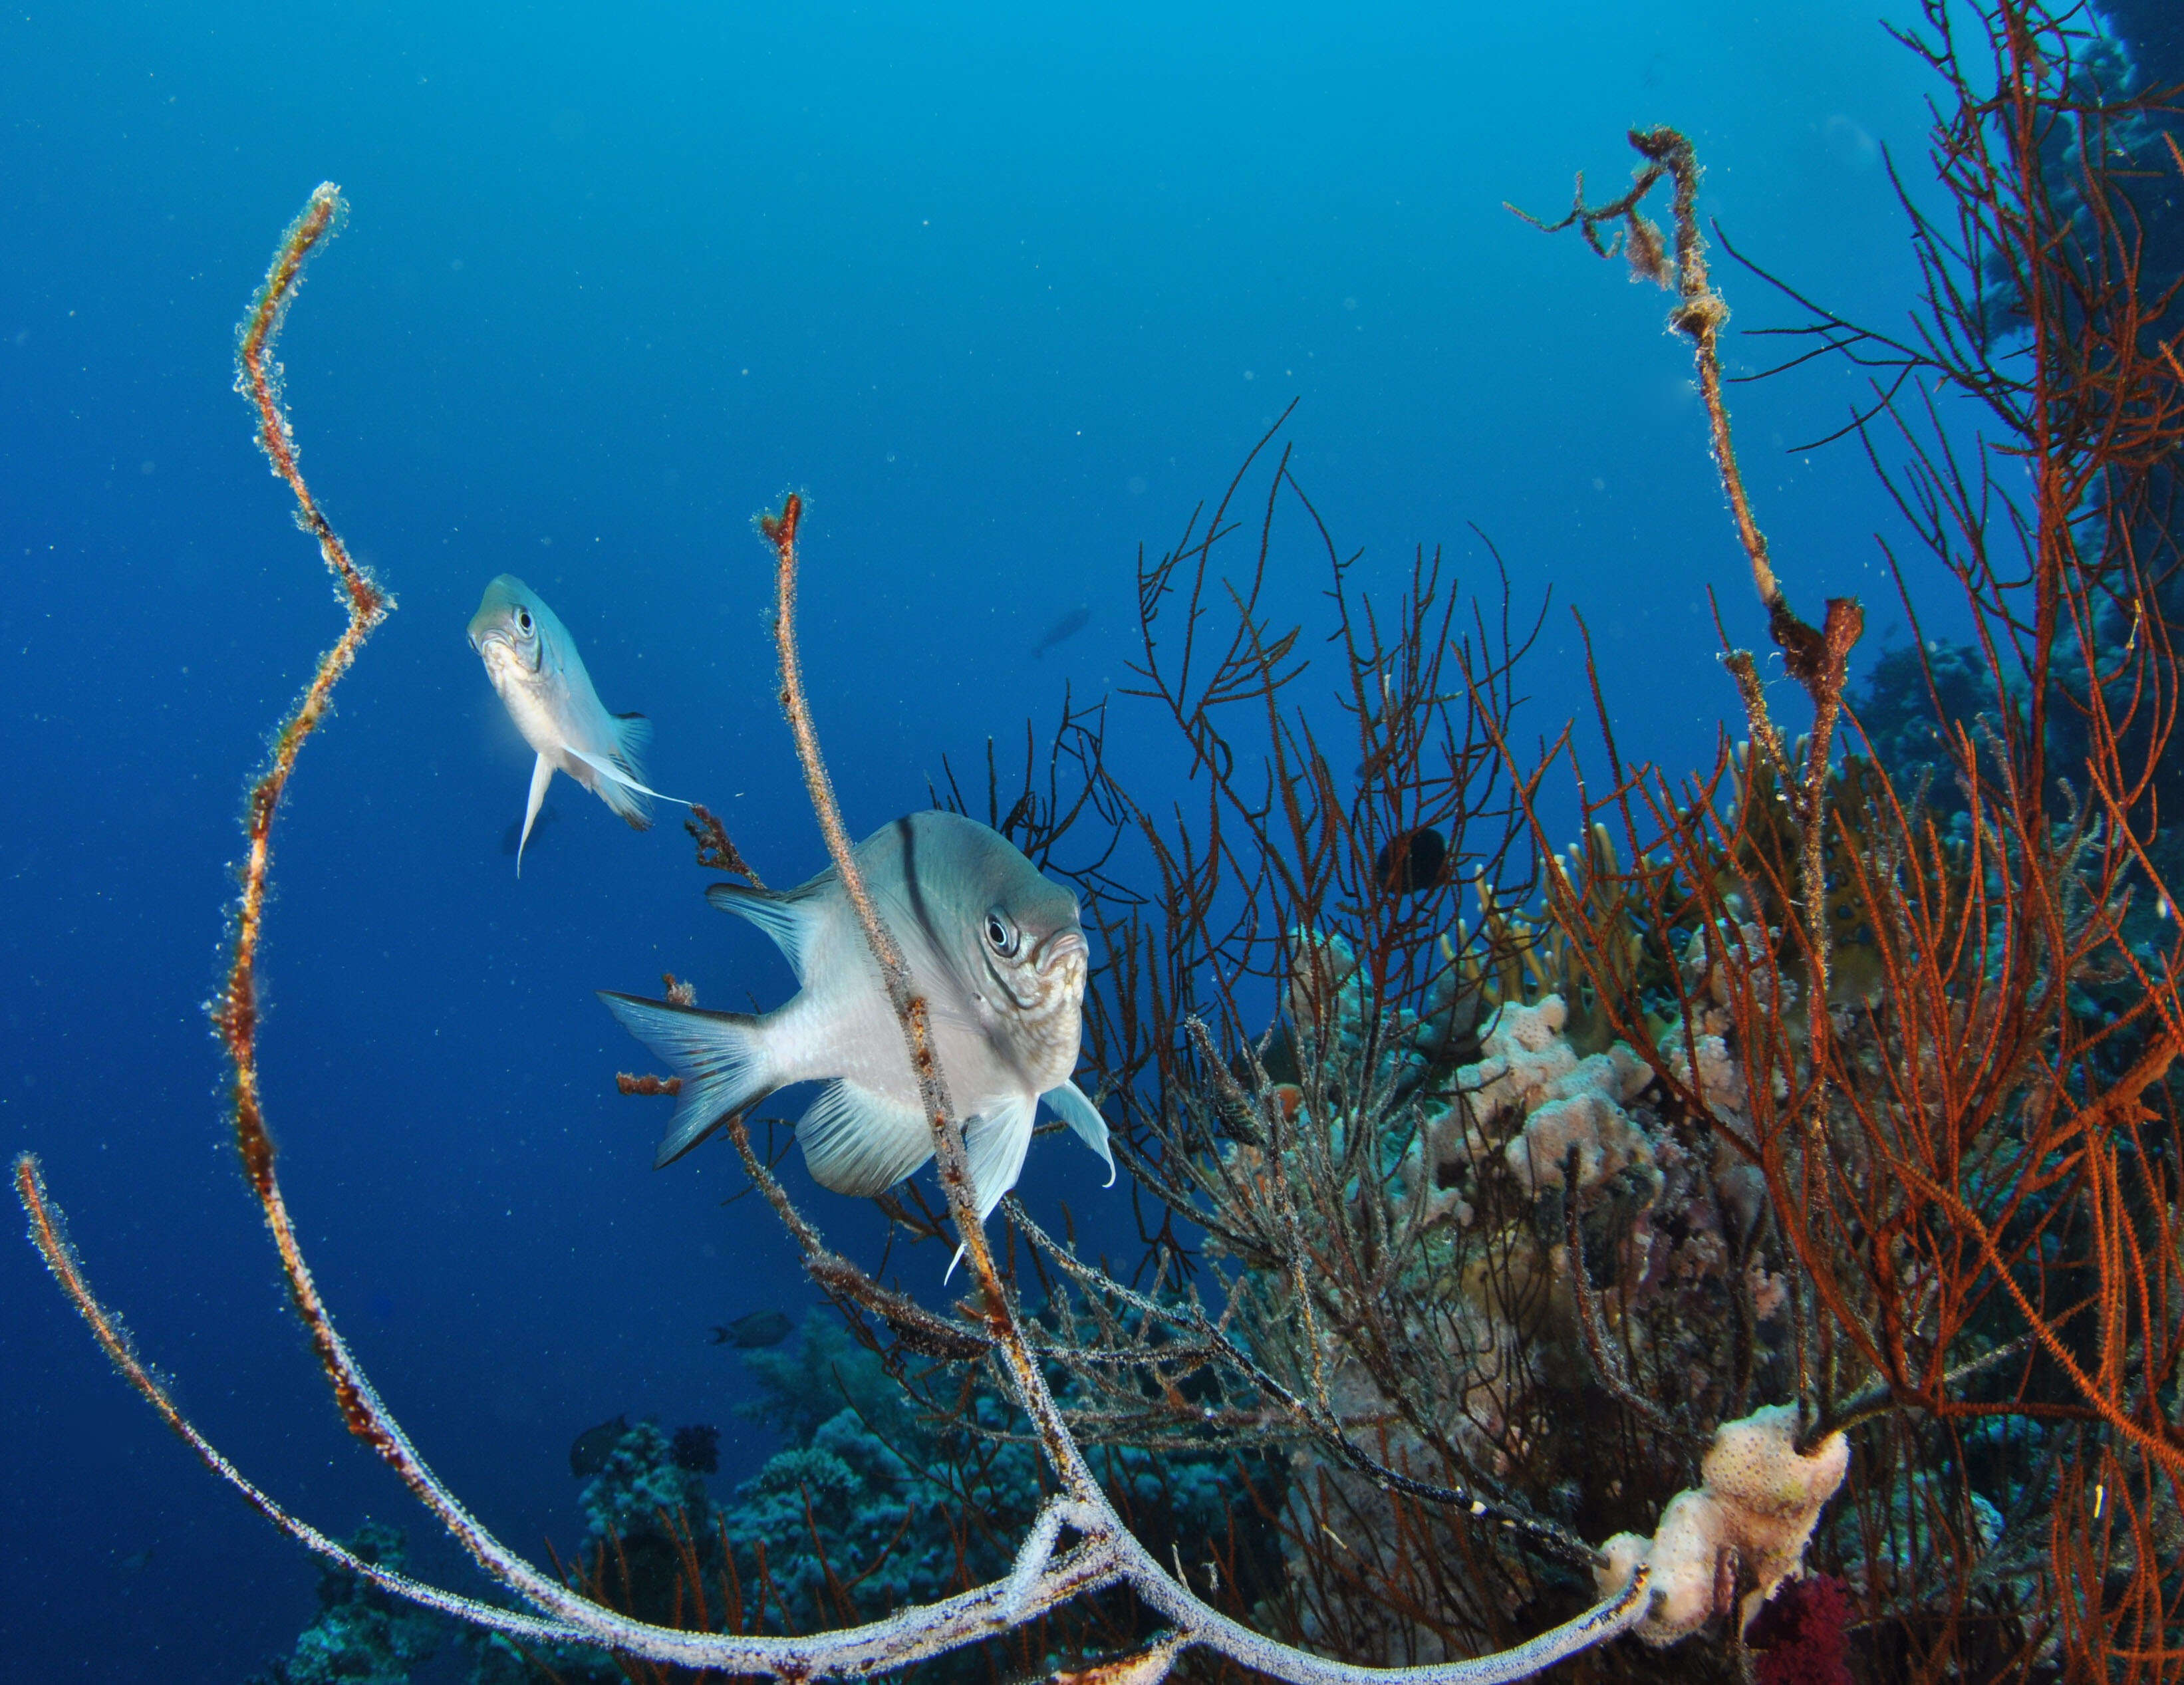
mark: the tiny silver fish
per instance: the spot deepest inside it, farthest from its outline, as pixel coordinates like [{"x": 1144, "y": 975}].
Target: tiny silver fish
[
  {"x": 533, "y": 664},
  {"x": 998, "y": 954}
]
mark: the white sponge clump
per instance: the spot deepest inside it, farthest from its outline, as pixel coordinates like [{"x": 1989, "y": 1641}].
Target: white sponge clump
[
  {"x": 1530, "y": 1082},
  {"x": 1752, "y": 1520}
]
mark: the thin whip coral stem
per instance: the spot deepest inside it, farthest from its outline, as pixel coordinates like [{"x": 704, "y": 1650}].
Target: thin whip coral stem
[
  {"x": 49, "y": 1234},
  {"x": 1818, "y": 659},
  {"x": 235, "y": 1010},
  {"x": 780, "y": 532}
]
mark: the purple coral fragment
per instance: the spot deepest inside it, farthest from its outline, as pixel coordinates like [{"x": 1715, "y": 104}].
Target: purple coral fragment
[{"x": 1802, "y": 1634}]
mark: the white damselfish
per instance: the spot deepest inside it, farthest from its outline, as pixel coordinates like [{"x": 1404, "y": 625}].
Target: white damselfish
[
  {"x": 997, "y": 953},
  {"x": 533, "y": 664}
]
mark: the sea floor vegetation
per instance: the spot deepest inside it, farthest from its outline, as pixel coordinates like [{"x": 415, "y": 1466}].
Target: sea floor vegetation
[{"x": 1743, "y": 1242}]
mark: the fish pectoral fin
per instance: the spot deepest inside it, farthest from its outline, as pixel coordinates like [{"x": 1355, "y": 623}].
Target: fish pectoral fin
[
  {"x": 542, "y": 775},
  {"x": 786, "y": 916},
  {"x": 859, "y": 1142},
  {"x": 1070, "y": 1103},
  {"x": 994, "y": 1142},
  {"x": 606, "y": 768},
  {"x": 721, "y": 1056}
]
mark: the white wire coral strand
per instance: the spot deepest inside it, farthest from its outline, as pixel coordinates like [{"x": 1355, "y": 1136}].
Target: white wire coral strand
[
  {"x": 49, "y": 1234},
  {"x": 919, "y": 1632}
]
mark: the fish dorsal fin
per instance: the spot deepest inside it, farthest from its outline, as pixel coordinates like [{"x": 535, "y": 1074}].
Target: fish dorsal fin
[
  {"x": 790, "y": 917},
  {"x": 859, "y": 1142},
  {"x": 1069, "y": 1104},
  {"x": 634, "y": 734}
]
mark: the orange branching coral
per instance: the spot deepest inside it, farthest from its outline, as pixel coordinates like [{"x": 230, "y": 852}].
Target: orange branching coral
[{"x": 1971, "y": 1153}]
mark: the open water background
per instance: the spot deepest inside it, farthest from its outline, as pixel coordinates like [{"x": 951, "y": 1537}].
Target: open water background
[{"x": 1006, "y": 291}]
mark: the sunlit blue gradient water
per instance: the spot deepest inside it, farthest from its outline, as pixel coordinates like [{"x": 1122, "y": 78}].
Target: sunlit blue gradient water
[{"x": 1006, "y": 290}]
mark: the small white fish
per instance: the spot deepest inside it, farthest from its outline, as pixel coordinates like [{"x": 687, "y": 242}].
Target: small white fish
[
  {"x": 533, "y": 664},
  {"x": 998, "y": 954}
]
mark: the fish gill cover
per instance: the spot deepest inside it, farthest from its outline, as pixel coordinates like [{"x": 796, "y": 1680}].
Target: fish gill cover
[{"x": 1777, "y": 1181}]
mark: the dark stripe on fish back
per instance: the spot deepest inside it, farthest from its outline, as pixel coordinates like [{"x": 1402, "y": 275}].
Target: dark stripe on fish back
[{"x": 913, "y": 889}]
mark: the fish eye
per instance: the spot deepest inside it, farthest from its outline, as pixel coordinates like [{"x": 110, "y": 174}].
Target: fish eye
[
  {"x": 1002, "y": 935},
  {"x": 523, "y": 620}
]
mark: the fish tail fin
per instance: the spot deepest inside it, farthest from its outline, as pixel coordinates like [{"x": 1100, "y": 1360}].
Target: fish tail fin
[
  {"x": 631, "y": 806},
  {"x": 721, "y": 1056}
]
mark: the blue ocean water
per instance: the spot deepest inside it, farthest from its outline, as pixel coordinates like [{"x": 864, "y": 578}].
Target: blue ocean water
[{"x": 1005, "y": 292}]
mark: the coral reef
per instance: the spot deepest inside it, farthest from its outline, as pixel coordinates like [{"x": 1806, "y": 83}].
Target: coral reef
[
  {"x": 1790, "y": 1108},
  {"x": 361, "y": 1635}
]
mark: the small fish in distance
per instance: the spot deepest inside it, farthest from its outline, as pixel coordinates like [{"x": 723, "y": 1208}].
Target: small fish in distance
[
  {"x": 1068, "y": 625},
  {"x": 749, "y": 1333},
  {"x": 533, "y": 664},
  {"x": 998, "y": 954},
  {"x": 1411, "y": 861},
  {"x": 588, "y": 1453}
]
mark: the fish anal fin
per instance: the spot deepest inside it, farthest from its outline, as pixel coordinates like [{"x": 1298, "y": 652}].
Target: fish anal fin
[{"x": 859, "y": 1142}]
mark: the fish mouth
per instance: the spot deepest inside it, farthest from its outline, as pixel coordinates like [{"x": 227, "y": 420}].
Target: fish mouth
[
  {"x": 1064, "y": 954},
  {"x": 1027, "y": 987},
  {"x": 496, "y": 649},
  {"x": 1057, "y": 948}
]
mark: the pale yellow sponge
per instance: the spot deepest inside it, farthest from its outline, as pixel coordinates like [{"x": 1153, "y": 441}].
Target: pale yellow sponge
[{"x": 1750, "y": 1520}]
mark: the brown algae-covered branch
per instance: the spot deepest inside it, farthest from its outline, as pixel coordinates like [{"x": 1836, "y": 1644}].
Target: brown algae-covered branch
[
  {"x": 1818, "y": 659},
  {"x": 234, "y": 1009}
]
